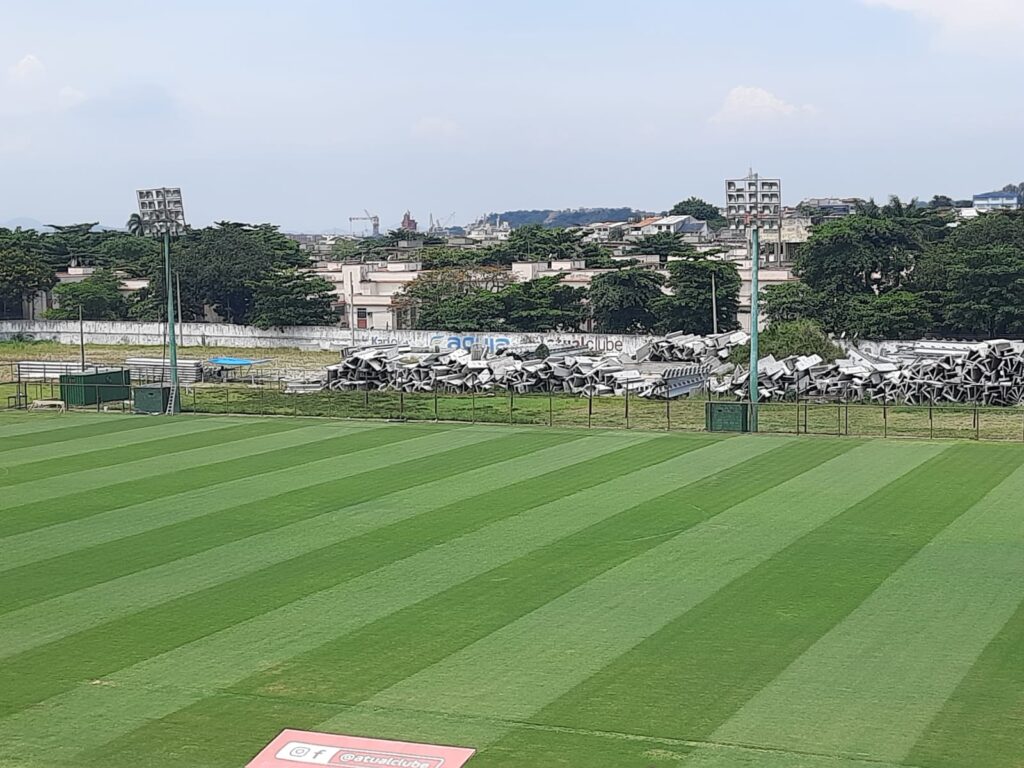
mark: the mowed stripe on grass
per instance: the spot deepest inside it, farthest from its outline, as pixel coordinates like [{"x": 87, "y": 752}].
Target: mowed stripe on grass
[
  {"x": 74, "y": 612},
  {"x": 692, "y": 676},
  {"x": 870, "y": 686},
  {"x": 469, "y": 611},
  {"x": 33, "y": 505},
  {"x": 175, "y": 438},
  {"x": 608, "y": 599},
  {"x": 401, "y": 463},
  {"x": 515, "y": 672},
  {"x": 163, "y": 684}
]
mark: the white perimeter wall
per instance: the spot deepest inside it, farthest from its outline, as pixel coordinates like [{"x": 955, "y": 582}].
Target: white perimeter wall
[{"x": 304, "y": 337}]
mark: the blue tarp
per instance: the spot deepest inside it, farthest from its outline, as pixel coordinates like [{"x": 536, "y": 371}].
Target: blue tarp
[{"x": 236, "y": 361}]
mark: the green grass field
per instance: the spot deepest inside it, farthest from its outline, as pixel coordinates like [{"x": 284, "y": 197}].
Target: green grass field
[{"x": 173, "y": 592}]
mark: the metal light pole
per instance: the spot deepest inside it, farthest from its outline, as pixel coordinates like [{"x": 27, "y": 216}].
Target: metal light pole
[
  {"x": 172, "y": 342},
  {"x": 162, "y": 213},
  {"x": 755, "y": 257}
]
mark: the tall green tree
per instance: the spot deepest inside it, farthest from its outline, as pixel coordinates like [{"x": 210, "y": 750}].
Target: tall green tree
[
  {"x": 97, "y": 296},
  {"x": 689, "y": 306},
  {"x": 544, "y": 304},
  {"x": 624, "y": 301},
  {"x": 857, "y": 254},
  {"x": 699, "y": 209},
  {"x": 289, "y": 296},
  {"x": 24, "y": 273},
  {"x": 134, "y": 225},
  {"x": 664, "y": 244}
]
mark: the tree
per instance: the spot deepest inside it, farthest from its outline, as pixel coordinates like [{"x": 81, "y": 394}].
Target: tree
[
  {"x": 941, "y": 201},
  {"x": 699, "y": 209},
  {"x": 218, "y": 267},
  {"x": 98, "y": 297},
  {"x": 895, "y": 315},
  {"x": 72, "y": 245},
  {"x": 792, "y": 301},
  {"x": 664, "y": 244},
  {"x": 856, "y": 254},
  {"x": 134, "y": 225},
  {"x": 689, "y": 306},
  {"x": 431, "y": 298},
  {"x": 798, "y": 337},
  {"x": 985, "y": 293},
  {"x": 289, "y": 296},
  {"x": 544, "y": 304},
  {"x": 23, "y": 274},
  {"x": 624, "y": 301}
]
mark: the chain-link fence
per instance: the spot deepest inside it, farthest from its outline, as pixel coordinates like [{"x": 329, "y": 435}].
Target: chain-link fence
[{"x": 552, "y": 409}]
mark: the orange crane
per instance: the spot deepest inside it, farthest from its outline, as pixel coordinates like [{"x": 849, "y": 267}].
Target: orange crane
[{"x": 373, "y": 218}]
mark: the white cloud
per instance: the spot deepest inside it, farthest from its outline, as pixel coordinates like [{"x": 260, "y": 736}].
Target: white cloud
[
  {"x": 29, "y": 89},
  {"x": 68, "y": 97},
  {"x": 988, "y": 26},
  {"x": 437, "y": 128},
  {"x": 26, "y": 69},
  {"x": 746, "y": 104}
]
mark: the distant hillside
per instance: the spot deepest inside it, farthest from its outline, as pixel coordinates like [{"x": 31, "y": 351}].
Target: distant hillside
[{"x": 567, "y": 217}]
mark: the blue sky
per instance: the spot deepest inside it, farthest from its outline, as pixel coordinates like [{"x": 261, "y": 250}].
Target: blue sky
[{"x": 305, "y": 112}]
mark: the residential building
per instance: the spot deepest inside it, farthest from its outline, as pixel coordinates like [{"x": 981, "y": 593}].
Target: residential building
[
  {"x": 996, "y": 201},
  {"x": 689, "y": 228},
  {"x": 366, "y": 291},
  {"x": 827, "y": 208},
  {"x": 483, "y": 231},
  {"x": 604, "y": 231}
]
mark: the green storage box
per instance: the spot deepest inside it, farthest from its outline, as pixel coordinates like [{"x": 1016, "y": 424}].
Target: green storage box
[
  {"x": 98, "y": 385},
  {"x": 153, "y": 398},
  {"x": 727, "y": 417}
]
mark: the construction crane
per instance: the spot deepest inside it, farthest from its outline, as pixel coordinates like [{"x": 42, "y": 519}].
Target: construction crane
[
  {"x": 370, "y": 217},
  {"x": 439, "y": 226}
]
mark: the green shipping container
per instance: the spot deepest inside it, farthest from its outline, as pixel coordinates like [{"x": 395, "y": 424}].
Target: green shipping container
[
  {"x": 99, "y": 385},
  {"x": 152, "y": 398},
  {"x": 727, "y": 417}
]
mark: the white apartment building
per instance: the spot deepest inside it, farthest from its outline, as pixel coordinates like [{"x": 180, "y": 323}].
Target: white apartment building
[
  {"x": 366, "y": 292},
  {"x": 996, "y": 201}
]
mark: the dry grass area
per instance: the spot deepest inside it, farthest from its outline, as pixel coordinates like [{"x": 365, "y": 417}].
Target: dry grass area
[{"x": 115, "y": 354}]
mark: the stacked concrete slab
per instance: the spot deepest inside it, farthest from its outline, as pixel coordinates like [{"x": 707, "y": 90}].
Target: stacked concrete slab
[
  {"x": 905, "y": 373},
  {"x": 574, "y": 371}
]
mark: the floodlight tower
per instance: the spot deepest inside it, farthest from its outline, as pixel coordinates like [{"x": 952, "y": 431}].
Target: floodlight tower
[
  {"x": 753, "y": 203},
  {"x": 162, "y": 213}
]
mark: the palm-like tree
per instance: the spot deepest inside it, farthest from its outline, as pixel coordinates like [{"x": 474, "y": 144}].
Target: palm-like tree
[{"x": 134, "y": 225}]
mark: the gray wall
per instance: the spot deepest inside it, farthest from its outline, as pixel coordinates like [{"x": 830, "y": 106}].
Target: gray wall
[{"x": 304, "y": 337}]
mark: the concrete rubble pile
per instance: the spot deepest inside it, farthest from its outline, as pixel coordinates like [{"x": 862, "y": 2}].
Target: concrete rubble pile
[
  {"x": 568, "y": 370},
  {"x": 902, "y": 373}
]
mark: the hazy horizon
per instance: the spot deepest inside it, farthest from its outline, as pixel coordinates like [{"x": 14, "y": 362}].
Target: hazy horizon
[{"x": 305, "y": 113}]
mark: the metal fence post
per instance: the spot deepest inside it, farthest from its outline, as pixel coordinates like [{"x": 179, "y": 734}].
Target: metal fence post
[
  {"x": 931, "y": 420},
  {"x": 401, "y": 403},
  {"x": 551, "y": 405},
  {"x": 472, "y": 398},
  {"x": 590, "y": 411},
  {"x": 627, "y": 407},
  {"x": 798, "y": 413},
  {"x": 885, "y": 420},
  {"x": 668, "y": 413},
  {"x": 511, "y": 403},
  {"x": 977, "y": 423},
  {"x": 435, "y": 404},
  {"x": 839, "y": 420}
]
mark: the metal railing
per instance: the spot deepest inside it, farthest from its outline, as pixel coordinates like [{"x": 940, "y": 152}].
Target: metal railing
[{"x": 553, "y": 409}]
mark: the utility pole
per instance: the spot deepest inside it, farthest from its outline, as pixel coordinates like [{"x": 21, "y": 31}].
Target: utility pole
[
  {"x": 714, "y": 303},
  {"x": 81, "y": 337}
]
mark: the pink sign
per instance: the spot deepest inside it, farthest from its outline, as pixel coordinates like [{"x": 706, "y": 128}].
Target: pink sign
[{"x": 292, "y": 749}]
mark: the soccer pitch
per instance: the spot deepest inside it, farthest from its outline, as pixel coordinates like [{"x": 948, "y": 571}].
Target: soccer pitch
[{"x": 174, "y": 592}]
